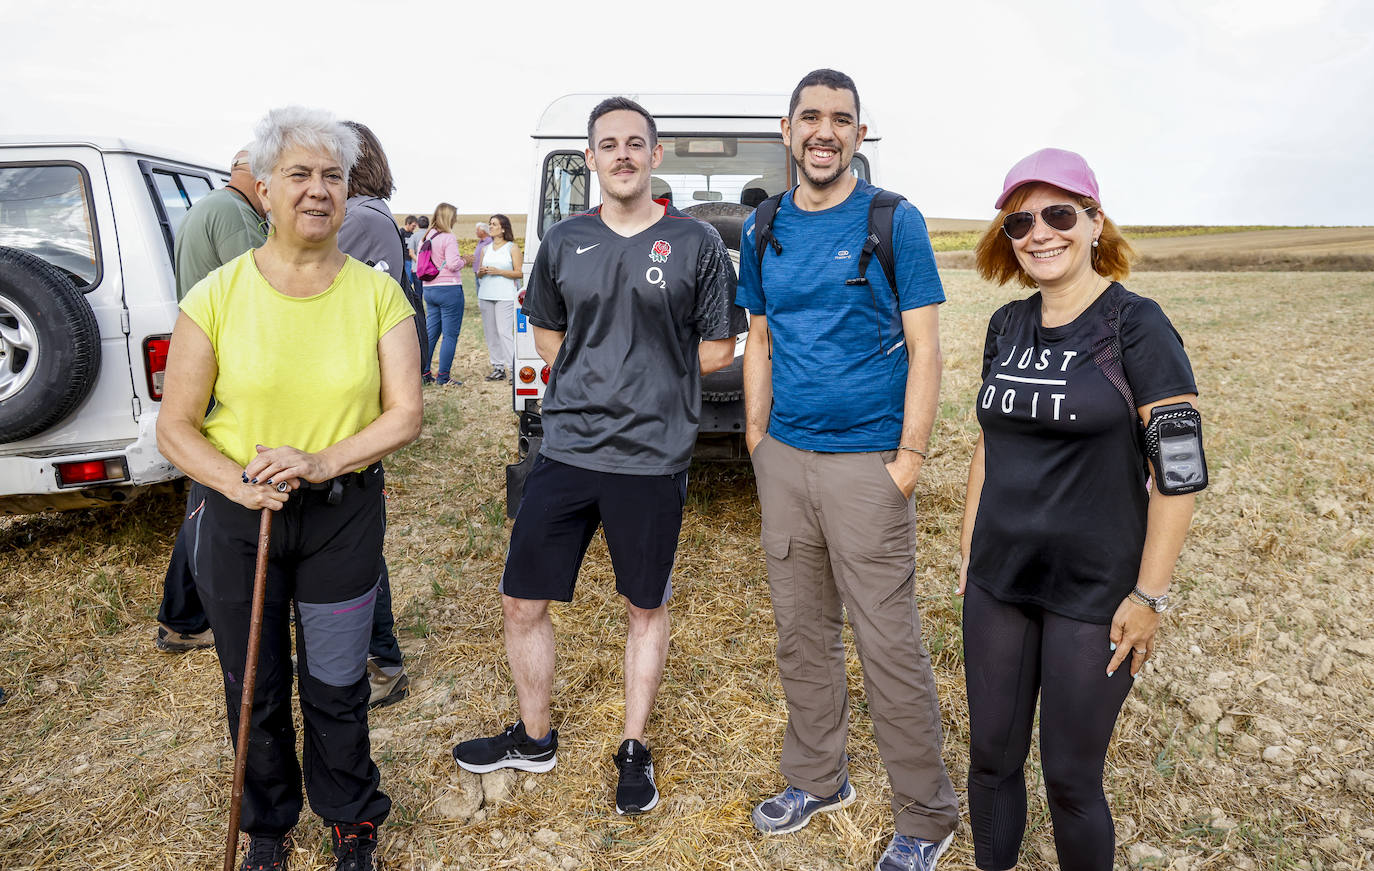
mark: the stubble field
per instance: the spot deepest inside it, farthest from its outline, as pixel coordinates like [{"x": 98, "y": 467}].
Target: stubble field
[{"x": 1248, "y": 742}]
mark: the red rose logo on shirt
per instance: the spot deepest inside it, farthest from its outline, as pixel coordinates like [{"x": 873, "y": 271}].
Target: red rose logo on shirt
[{"x": 660, "y": 252}]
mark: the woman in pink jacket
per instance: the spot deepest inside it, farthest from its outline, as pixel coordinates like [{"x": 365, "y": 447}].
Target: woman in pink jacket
[{"x": 443, "y": 293}]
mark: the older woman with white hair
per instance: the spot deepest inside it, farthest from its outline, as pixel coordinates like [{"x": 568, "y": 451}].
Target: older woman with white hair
[{"x": 310, "y": 357}]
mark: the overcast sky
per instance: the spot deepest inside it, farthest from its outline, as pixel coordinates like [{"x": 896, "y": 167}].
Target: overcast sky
[{"x": 1190, "y": 111}]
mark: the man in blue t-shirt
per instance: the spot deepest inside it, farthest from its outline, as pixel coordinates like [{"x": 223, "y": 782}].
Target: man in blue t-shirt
[{"x": 841, "y": 385}]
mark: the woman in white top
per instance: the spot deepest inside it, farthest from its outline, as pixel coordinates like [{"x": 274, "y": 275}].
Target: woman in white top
[{"x": 501, "y": 268}]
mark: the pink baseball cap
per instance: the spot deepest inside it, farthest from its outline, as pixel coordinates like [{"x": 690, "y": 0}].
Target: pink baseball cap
[{"x": 1063, "y": 169}]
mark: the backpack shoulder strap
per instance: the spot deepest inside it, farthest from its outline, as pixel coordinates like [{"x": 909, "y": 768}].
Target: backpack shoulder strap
[
  {"x": 763, "y": 228},
  {"x": 1107, "y": 354},
  {"x": 882, "y": 211},
  {"x": 1106, "y": 351}
]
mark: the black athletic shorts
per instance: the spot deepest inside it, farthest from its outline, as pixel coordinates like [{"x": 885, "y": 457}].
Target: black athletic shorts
[{"x": 641, "y": 516}]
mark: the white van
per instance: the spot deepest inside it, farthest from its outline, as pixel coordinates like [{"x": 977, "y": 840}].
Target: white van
[
  {"x": 87, "y": 305},
  {"x": 722, "y": 155}
]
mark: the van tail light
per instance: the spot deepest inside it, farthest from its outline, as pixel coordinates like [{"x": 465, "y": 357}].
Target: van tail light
[
  {"x": 85, "y": 472},
  {"x": 520, "y": 298},
  {"x": 544, "y": 375},
  {"x": 155, "y": 362},
  {"x": 527, "y": 374}
]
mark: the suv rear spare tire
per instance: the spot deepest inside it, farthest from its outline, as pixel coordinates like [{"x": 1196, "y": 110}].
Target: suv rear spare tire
[{"x": 49, "y": 346}]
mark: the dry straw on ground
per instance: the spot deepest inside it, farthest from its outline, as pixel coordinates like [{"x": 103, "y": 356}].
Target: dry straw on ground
[{"x": 1247, "y": 744}]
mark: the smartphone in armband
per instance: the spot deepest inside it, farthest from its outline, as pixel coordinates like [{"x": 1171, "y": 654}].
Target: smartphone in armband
[{"x": 1173, "y": 442}]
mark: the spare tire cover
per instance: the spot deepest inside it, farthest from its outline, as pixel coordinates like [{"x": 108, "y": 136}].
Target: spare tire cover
[{"x": 49, "y": 346}]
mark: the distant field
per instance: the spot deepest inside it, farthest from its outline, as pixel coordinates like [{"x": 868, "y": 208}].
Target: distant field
[
  {"x": 1207, "y": 249},
  {"x": 1187, "y": 248}
]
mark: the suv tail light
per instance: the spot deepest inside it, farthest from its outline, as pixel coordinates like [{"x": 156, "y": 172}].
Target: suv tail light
[
  {"x": 520, "y": 298},
  {"x": 527, "y": 374},
  {"x": 544, "y": 375},
  {"x": 85, "y": 472},
  {"x": 155, "y": 362}
]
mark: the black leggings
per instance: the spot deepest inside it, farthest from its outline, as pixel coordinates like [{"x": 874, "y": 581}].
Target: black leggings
[{"x": 1012, "y": 653}]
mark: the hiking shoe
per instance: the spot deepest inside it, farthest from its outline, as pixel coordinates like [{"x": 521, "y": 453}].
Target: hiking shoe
[
  {"x": 426, "y": 378},
  {"x": 511, "y": 749},
  {"x": 387, "y": 689},
  {"x": 267, "y": 853},
  {"x": 793, "y": 808},
  {"x": 354, "y": 846},
  {"x": 171, "y": 641},
  {"x": 906, "y": 853},
  {"x": 496, "y": 374},
  {"x": 635, "y": 793}
]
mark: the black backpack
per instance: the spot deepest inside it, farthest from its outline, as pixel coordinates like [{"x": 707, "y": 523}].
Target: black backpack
[{"x": 881, "y": 210}]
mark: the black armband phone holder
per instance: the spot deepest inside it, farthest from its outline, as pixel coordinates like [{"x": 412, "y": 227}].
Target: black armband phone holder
[{"x": 1173, "y": 443}]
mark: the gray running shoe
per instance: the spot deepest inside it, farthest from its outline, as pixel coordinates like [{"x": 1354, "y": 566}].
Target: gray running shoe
[
  {"x": 793, "y": 808},
  {"x": 906, "y": 853}
]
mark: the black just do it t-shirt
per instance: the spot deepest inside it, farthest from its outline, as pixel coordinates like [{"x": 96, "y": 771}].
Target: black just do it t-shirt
[{"x": 1061, "y": 519}]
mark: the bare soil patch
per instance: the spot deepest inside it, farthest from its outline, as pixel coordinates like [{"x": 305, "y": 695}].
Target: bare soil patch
[{"x": 1248, "y": 743}]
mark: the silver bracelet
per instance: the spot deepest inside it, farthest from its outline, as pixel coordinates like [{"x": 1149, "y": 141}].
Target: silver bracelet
[{"x": 917, "y": 451}]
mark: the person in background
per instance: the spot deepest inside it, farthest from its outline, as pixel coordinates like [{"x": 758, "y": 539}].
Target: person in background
[
  {"x": 219, "y": 227},
  {"x": 408, "y": 228},
  {"x": 1067, "y": 554},
  {"x": 411, "y": 285},
  {"x": 369, "y": 234},
  {"x": 483, "y": 232},
  {"x": 443, "y": 295},
  {"x": 257, "y": 334},
  {"x": 413, "y": 250},
  {"x": 497, "y": 277}
]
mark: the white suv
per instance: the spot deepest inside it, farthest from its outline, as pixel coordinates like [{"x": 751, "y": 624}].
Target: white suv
[{"x": 87, "y": 305}]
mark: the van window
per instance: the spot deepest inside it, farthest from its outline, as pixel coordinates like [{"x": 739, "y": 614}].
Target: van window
[
  {"x": 563, "y": 190},
  {"x": 46, "y": 211},
  {"x": 860, "y": 167},
  {"x": 711, "y": 169}
]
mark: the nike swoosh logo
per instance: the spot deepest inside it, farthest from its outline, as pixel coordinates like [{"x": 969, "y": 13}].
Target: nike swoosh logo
[{"x": 588, "y": 248}]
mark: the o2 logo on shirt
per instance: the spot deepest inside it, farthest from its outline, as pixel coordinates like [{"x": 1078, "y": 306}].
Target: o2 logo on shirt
[
  {"x": 659, "y": 253},
  {"x": 654, "y": 276}
]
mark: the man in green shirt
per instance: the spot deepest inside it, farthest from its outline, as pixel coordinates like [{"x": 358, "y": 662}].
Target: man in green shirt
[{"x": 219, "y": 227}]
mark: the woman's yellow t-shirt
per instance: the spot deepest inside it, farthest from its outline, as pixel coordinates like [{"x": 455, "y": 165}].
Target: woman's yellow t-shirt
[{"x": 293, "y": 371}]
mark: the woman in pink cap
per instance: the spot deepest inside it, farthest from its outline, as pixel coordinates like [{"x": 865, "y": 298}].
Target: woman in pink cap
[{"x": 1067, "y": 549}]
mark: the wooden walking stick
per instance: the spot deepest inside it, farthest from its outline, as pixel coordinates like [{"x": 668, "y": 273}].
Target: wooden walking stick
[{"x": 250, "y": 676}]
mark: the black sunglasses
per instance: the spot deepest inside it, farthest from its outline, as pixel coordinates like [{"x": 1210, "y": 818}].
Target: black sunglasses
[{"x": 1061, "y": 217}]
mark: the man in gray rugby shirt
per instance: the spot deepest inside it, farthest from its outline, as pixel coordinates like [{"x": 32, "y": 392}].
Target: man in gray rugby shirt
[{"x": 631, "y": 303}]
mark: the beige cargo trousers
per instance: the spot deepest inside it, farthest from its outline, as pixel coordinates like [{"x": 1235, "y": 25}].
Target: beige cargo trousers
[{"x": 840, "y": 537}]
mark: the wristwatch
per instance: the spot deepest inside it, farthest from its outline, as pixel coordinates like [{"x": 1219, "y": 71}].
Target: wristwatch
[{"x": 1159, "y": 604}]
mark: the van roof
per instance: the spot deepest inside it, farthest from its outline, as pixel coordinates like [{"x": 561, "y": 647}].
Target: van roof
[
  {"x": 112, "y": 145},
  {"x": 677, "y": 113}
]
